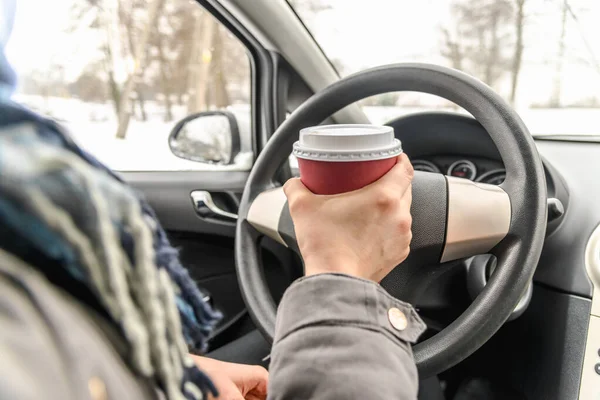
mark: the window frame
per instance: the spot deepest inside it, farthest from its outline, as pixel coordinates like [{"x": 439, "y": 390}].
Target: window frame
[{"x": 262, "y": 93}]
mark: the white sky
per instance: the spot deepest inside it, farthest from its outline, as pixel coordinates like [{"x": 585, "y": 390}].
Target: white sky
[
  {"x": 40, "y": 38},
  {"x": 367, "y": 33},
  {"x": 360, "y": 33}
]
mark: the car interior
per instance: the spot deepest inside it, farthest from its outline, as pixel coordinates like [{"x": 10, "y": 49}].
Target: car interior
[
  {"x": 512, "y": 311},
  {"x": 546, "y": 349}
]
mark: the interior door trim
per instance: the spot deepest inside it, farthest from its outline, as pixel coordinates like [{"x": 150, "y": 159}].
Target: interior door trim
[{"x": 169, "y": 195}]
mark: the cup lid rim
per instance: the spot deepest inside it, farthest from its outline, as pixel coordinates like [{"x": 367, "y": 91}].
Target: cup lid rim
[
  {"x": 347, "y": 142},
  {"x": 306, "y": 153}
]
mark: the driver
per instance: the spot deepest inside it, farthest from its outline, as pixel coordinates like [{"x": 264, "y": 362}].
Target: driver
[{"x": 95, "y": 304}]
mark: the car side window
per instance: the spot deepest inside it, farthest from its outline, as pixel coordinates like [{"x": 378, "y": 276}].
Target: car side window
[{"x": 121, "y": 75}]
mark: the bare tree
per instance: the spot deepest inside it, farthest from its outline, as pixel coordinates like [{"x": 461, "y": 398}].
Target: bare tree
[
  {"x": 518, "y": 55},
  {"x": 557, "y": 86},
  {"x": 219, "y": 71},
  {"x": 126, "y": 17},
  {"x": 89, "y": 86},
  {"x": 452, "y": 50},
  {"x": 184, "y": 24},
  {"x": 138, "y": 64},
  {"x": 114, "y": 88},
  {"x": 88, "y": 15},
  {"x": 478, "y": 40},
  {"x": 157, "y": 52},
  {"x": 165, "y": 78},
  {"x": 498, "y": 11},
  {"x": 115, "y": 21},
  {"x": 200, "y": 62}
]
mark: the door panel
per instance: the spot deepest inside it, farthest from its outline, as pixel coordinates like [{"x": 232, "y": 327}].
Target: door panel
[
  {"x": 210, "y": 261},
  {"x": 169, "y": 195},
  {"x": 206, "y": 246}
]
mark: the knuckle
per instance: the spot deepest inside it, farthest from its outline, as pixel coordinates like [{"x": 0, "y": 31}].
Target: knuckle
[
  {"x": 405, "y": 224},
  {"x": 403, "y": 174},
  {"x": 409, "y": 237},
  {"x": 405, "y": 253},
  {"x": 298, "y": 202},
  {"x": 410, "y": 170},
  {"x": 385, "y": 198},
  {"x": 288, "y": 188},
  {"x": 260, "y": 371}
]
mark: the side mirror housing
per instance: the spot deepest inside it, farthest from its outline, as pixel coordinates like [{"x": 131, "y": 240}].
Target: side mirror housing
[{"x": 210, "y": 137}]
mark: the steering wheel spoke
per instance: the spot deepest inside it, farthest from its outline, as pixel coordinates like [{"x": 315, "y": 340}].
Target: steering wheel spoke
[
  {"x": 270, "y": 215},
  {"x": 265, "y": 213},
  {"x": 453, "y": 218},
  {"x": 479, "y": 217}
]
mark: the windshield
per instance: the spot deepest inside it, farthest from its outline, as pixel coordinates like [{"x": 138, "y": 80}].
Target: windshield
[{"x": 542, "y": 56}]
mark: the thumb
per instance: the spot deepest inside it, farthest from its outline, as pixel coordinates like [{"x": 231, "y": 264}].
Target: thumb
[{"x": 399, "y": 177}]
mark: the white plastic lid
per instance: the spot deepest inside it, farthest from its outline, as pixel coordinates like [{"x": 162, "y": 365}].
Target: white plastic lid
[{"x": 347, "y": 143}]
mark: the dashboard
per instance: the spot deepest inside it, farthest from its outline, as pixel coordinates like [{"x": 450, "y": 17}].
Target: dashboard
[
  {"x": 451, "y": 144},
  {"x": 474, "y": 168},
  {"x": 457, "y": 145}
]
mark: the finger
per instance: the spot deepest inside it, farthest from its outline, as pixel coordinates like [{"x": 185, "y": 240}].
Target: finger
[
  {"x": 259, "y": 382},
  {"x": 256, "y": 396},
  {"x": 299, "y": 197},
  {"x": 410, "y": 170},
  {"x": 399, "y": 177},
  {"x": 407, "y": 196},
  {"x": 406, "y": 205},
  {"x": 404, "y": 161},
  {"x": 253, "y": 397}
]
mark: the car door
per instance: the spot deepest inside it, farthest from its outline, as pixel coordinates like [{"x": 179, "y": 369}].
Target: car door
[
  {"x": 123, "y": 77},
  {"x": 195, "y": 192}
]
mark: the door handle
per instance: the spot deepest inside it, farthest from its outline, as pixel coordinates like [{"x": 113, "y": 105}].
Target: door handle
[{"x": 206, "y": 207}]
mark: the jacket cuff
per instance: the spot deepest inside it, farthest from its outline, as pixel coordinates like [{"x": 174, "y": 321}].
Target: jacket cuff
[{"x": 338, "y": 299}]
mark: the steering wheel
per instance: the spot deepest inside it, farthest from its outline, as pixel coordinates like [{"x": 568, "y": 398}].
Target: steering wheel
[{"x": 453, "y": 218}]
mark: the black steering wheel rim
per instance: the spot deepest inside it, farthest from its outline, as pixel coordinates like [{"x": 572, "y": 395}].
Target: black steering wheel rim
[{"x": 518, "y": 253}]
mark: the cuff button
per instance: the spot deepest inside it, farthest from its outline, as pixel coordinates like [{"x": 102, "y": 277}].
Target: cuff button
[
  {"x": 397, "y": 319},
  {"x": 97, "y": 389}
]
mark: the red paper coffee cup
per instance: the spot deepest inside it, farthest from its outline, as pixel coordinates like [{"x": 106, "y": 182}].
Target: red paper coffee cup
[{"x": 340, "y": 158}]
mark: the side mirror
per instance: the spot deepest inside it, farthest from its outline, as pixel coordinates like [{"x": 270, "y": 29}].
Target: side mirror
[{"x": 209, "y": 137}]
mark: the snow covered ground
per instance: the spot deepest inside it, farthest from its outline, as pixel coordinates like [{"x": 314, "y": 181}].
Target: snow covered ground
[{"x": 145, "y": 148}]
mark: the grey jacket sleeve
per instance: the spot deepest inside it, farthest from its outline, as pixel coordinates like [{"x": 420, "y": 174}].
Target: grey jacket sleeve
[
  {"x": 339, "y": 337},
  {"x": 53, "y": 348}
]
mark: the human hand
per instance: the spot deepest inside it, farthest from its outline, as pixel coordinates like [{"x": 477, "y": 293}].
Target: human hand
[
  {"x": 364, "y": 233},
  {"x": 235, "y": 381}
]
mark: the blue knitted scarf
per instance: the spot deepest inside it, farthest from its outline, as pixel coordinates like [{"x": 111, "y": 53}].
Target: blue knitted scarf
[{"x": 68, "y": 215}]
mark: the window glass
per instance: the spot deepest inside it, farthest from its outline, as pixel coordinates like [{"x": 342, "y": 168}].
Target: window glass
[
  {"x": 121, "y": 74},
  {"x": 542, "y": 56}
]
